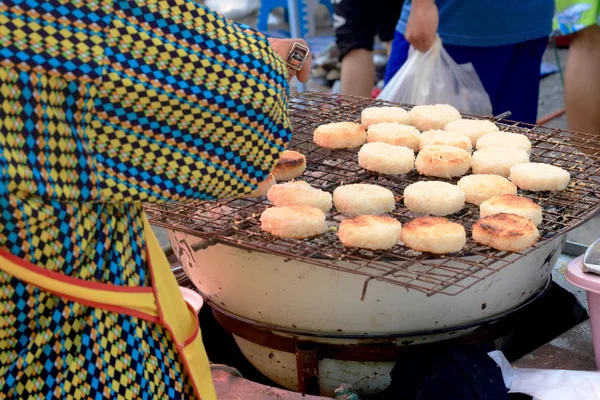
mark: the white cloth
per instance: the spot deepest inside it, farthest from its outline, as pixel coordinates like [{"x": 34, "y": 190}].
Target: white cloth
[{"x": 545, "y": 384}]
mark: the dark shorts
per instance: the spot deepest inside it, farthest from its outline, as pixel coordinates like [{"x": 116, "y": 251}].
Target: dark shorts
[
  {"x": 510, "y": 74},
  {"x": 357, "y": 22}
]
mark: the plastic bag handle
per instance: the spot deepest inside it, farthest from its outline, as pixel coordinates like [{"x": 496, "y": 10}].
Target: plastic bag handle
[{"x": 435, "y": 48}]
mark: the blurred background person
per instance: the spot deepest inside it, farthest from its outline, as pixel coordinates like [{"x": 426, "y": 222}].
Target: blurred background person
[
  {"x": 356, "y": 24},
  {"x": 581, "y": 19},
  {"x": 504, "y": 40}
]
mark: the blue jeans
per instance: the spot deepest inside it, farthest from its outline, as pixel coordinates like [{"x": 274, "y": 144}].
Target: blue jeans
[{"x": 510, "y": 74}]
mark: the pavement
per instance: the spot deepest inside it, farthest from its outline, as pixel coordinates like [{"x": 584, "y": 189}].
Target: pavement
[{"x": 231, "y": 387}]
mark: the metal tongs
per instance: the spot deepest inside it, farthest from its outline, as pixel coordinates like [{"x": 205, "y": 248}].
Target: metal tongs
[{"x": 591, "y": 259}]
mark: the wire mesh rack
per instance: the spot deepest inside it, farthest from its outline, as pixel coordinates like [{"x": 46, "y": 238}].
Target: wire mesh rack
[{"x": 237, "y": 222}]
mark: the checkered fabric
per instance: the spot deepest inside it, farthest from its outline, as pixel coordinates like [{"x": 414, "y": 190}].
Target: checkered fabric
[{"x": 104, "y": 105}]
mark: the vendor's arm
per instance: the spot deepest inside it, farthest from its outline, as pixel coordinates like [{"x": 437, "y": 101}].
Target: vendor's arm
[
  {"x": 191, "y": 105},
  {"x": 422, "y": 24}
]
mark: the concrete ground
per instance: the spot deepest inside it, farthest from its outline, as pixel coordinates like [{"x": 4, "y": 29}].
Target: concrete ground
[
  {"x": 231, "y": 387},
  {"x": 551, "y": 100}
]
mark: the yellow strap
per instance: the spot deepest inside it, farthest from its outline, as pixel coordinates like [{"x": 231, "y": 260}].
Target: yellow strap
[
  {"x": 142, "y": 302},
  {"x": 179, "y": 318}
]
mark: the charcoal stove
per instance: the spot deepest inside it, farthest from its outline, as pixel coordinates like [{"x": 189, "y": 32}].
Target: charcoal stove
[{"x": 317, "y": 291}]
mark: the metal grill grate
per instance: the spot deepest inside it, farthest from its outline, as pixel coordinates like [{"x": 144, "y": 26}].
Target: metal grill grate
[{"x": 237, "y": 222}]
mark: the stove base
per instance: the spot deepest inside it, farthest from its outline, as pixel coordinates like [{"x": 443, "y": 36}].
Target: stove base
[{"x": 318, "y": 364}]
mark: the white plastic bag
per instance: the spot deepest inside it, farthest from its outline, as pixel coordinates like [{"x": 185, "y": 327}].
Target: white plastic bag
[
  {"x": 547, "y": 384},
  {"x": 434, "y": 77}
]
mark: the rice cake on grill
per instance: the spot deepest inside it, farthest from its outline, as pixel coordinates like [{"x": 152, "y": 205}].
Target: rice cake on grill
[
  {"x": 291, "y": 165},
  {"x": 497, "y": 160},
  {"x": 376, "y": 115},
  {"x": 445, "y": 138},
  {"x": 434, "y": 235},
  {"x": 506, "y": 232},
  {"x": 299, "y": 193},
  {"x": 473, "y": 128},
  {"x": 387, "y": 159},
  {"x": 396, "y": 134},
  {"x": 296, "y": 222},
  {"x": 479, "y": 188},
  {"x": 363, "y": 199},
  {"x": 511, "y": 204},
  {"x": 443, "y": 161},
  {"x": 504, "y": 139},
  {"x": 435, "y": 116},
  {"x": 538, "y": 177},
  {"x": 340, "y": 135},
  {"x": 434, "y": 198},
  {"x": 374, "y": 232}
]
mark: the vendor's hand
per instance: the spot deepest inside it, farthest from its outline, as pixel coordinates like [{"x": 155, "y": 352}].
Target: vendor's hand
[
  {"x": 283, "y": 46},
  {"x": 422, "y": 24}
]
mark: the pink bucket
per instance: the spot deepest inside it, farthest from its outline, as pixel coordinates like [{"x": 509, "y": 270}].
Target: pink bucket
[
  {"x": 591, "y": 283},
  {"x": 193, "y": 298}
]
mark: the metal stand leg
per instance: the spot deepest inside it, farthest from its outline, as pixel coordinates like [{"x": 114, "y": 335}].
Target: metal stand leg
[
  {"x": 295, "y": 29},
  {"x": 307, "y": 366}
]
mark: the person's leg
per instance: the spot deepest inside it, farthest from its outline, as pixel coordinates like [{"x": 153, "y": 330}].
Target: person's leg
[
  {"x": 355, "y": 29},
  {"x": 582, "y": 81},
  {"x": 358, "y": 73},
  {"x": 398, "y": 55},
  {"x": 521, "y": 84}
]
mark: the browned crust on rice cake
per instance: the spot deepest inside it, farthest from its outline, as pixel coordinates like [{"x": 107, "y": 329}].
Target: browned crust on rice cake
[{"x": 508, "y": 232}]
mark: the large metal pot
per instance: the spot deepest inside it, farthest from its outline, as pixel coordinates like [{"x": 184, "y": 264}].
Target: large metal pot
[{"x": 299, "y": 296}]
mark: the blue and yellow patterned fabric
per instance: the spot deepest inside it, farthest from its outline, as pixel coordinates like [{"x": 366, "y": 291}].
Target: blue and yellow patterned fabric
[{"x": 104, "y": 105}]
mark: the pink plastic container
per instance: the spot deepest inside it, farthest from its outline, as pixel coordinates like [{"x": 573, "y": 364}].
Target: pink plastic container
[
  {"x": 193, "y": 298},
  {"x": 591, "y": 284}
]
